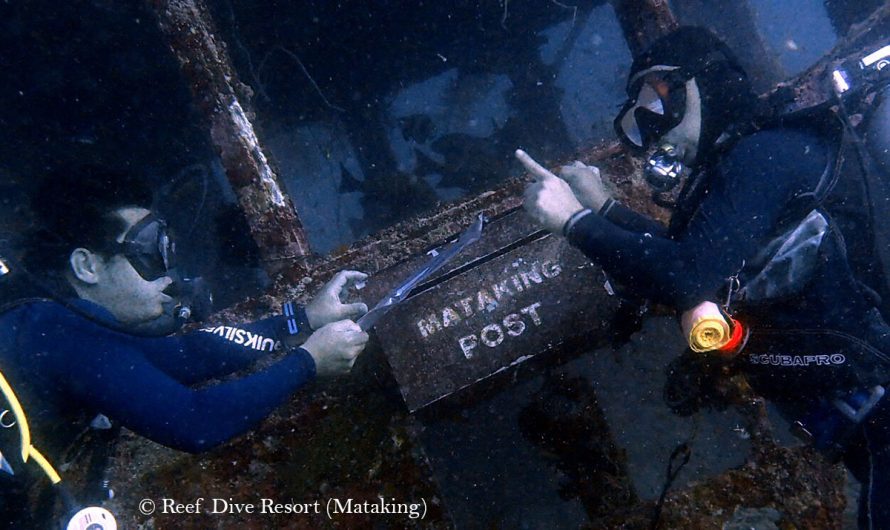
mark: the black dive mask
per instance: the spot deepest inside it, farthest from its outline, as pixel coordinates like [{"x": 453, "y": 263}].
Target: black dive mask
[
  {"x": 148, "y": 248},
  {"x": 657, "y": 99},
  {"x": 657, "y": 104}
]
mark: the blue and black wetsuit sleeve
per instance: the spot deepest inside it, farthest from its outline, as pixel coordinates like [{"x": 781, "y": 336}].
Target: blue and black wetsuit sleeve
[
  {"x": 623, "y": 217},
  {"x": 747, "y": 197},
  {"x": 215, "y": 351},
  {"x": 107, "y": 371}
]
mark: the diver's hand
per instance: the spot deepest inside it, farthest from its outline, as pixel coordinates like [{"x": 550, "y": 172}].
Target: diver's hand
[
  {"x": 327, "y": 307},
  {"x": 586, "y": 184},
  {"x": 335, "y": 347},
  {"x": 549, "y": 199}
]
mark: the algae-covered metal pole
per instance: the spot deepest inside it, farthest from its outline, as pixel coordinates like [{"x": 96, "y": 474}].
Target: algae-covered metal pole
[
  {"x": 644, "y": 21},
  {"x": 207, "y": 68},
  {"x": 736, "y": 24}
]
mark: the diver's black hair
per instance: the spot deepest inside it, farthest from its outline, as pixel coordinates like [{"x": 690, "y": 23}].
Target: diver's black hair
[
  {"x": 74, "y": 207},
  {"x": 728, "y": 98}
]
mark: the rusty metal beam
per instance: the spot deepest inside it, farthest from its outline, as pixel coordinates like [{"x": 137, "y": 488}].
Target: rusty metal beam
[
  {"x": 735, "y": 24},
  {"x": 188, "y": 29},
  {"x": 644, "y": 21}
]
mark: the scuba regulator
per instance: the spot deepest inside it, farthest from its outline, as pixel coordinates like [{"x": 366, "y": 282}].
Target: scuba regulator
[
  {"x": 664, "y": 169},
  {"x": 192, "y": 302},
  {"x": 194, "y": 299}
]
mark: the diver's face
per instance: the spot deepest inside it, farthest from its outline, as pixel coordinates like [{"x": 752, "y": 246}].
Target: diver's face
[
  {"x": 663, "y": 107},
  {"x": 121, "y": 290},
  {"x": 685, "y": 137}
]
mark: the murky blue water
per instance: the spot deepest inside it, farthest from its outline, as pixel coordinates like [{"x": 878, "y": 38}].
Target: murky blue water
[{"x": 373, "y": 112}]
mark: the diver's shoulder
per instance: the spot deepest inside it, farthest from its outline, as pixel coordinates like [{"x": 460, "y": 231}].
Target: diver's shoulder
[
  {"x": 30, "y": 319},
  {"x": 29, "y": 305},
  {"x": 785, "y": 146},
  {"x": 38, "y": 310},
  {"x": 783, "y": 137}
]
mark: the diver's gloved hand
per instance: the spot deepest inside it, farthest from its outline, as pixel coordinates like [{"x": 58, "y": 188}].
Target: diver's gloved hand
[
  {"x": 335, "y": 347},
  {"x": 586, "y": 184},
  {"x": 327, "y": 306},
  {"x": 549, "y": 200}
]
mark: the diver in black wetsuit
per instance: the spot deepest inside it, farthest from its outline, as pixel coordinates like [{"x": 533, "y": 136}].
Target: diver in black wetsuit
[
  {"x": 73, "y": 363},
  {"x": 749, "y": 227}
]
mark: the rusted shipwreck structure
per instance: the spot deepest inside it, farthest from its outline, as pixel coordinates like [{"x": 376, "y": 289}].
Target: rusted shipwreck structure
[{"x": 518, "y": 305}]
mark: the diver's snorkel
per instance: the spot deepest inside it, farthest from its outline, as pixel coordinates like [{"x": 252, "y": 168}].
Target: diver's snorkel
[{"x": 665, "y": 169}]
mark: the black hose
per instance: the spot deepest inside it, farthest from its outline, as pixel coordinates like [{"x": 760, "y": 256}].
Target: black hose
[
  {"x": 681, "y": 451},
  {"x": 875, "y": 187}
]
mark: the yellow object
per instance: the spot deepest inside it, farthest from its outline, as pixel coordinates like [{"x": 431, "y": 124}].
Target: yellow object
[
  {"x": 45, "y": 466},
  {"x": 705, "y": 327},
  {"x": 25, "y": 432}
]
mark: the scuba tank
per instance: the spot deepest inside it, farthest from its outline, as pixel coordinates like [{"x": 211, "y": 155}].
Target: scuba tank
[
  {"x": 861, "y": 87},
  {"x": 13, "y": 417},
  {"x": 877, "y": 136}
]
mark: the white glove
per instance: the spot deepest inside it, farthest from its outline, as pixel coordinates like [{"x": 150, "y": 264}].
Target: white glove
[
  {"x": 327, "y": 306},
  {"x": 335, "y": 347},
  {"x": 549, "y": 200},
  {"x": 586, "y": 184}
]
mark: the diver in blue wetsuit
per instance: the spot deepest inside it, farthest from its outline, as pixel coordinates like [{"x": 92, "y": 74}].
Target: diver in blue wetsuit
[
  {"x": 749, "y": 232},
  {"x": 76, "y": 359}
]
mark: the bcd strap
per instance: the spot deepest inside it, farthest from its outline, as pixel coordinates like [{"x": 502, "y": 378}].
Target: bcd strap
[
  {"x": 877, "y": 191},
  {"x": 804, "y": 203},
  {"x": 787, "y": 263}
]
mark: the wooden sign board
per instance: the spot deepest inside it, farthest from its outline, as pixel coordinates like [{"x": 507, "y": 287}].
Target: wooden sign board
[{"x": 515, "y": 294}]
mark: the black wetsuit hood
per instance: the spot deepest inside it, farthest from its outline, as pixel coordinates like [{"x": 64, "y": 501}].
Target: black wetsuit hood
[{"x": 727, "y": 97}]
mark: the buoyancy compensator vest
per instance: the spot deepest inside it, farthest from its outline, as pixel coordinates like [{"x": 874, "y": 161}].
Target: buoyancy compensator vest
[{"x": 861, "y": 201}]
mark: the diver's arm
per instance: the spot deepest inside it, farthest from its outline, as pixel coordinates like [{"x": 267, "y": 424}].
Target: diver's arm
[
  {"x": 215, "y": 351},
  {"x": 623, "y": 217},
  {"x": 161, "y": 409},
  {"x": 108, "y": 374},
  {"x": 589, "y": 189},
  {"x": 653, "y": 267},
  {"x": 756, "y": 182}
]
